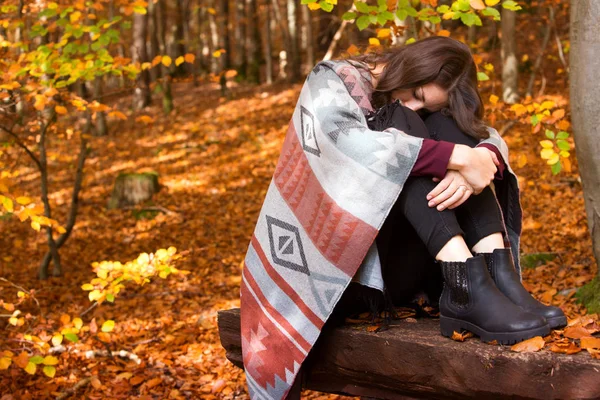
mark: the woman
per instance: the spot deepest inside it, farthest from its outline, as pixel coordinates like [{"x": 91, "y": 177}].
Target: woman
[{"x": 349, "y": 201}]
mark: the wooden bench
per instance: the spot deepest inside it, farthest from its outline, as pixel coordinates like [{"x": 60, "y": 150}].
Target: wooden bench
[{"x": 412, "y": 360}]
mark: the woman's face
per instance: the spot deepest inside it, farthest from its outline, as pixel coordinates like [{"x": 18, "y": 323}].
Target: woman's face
[{"x": 429, "y": 97}]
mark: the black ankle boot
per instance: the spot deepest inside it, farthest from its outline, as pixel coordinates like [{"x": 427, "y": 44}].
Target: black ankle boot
[
  {"x": 502, "y": 269},
  {"x": 471, "y": 301}
]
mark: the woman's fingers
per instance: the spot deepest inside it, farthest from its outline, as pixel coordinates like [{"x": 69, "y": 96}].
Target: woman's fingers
[
  {"x": 465, "y": 197},
  {"x": 495, "y": 158},
  {"x": 454, "y": 200},
  {"x": 443, "y": 196},
  {"x": 440, "y": 187}
]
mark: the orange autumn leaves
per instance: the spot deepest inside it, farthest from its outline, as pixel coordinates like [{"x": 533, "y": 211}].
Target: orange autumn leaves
[{"x": 577, "y": 336}]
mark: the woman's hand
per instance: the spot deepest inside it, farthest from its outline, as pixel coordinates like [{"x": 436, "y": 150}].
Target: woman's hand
[
  {"x": 451, "y": 192},
  {"x": 477, "y": 165}
]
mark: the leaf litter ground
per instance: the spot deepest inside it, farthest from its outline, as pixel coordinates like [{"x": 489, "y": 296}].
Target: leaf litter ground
[{"x": 215, "y": 159}]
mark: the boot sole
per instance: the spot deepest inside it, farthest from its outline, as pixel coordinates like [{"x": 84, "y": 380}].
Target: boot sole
[
  {"x": 449, "y": 325},
  {"x": 557, "y": 322}
]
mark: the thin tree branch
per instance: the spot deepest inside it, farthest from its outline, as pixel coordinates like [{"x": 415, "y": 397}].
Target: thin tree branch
[
  {"x": 23, "y": 146},
  {"x": 538, "y": 61}
]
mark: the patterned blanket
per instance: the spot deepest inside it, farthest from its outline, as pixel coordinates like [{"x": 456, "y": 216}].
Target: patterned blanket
[{"x": 334, "y": 184}]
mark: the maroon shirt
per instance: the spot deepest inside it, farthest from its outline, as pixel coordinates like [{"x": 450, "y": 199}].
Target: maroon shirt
[{"x": 434, "y": 157}]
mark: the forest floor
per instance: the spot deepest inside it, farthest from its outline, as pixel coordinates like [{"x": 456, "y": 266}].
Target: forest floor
[{"x": 215, "y": 159}]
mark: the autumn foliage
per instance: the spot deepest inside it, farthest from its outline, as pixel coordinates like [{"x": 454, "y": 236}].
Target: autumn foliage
[{"x": 144, "y": 324}]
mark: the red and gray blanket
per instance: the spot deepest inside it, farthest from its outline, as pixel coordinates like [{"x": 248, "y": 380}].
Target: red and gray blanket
[{"x": 335, "y": 182}]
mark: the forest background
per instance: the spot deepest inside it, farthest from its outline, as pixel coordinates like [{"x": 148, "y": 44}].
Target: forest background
[{"x": 148, "y": 132}]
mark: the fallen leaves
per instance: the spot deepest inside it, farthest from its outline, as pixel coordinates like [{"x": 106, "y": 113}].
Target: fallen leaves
[
  {"x": 528, "y": 346},
  {"x": 461, "y": 337}
]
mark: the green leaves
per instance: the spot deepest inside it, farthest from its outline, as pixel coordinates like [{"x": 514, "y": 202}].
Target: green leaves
[
  {"x": 482, "y": 76},
  {"x": 511, "y": 5},
  {"x": 71, "y": 337}
]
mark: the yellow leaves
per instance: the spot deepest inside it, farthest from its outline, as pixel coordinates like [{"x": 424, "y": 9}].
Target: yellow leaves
[
  {"x": 52, "y": 5},
  {"x": 7, "y": 203},
  {"x": 36, "y": 226},
  {"x": 383, "y": 33},
  {"x": 314, "y": 6},
  {"x": 547, "y": 105},
  {"x": 546, "y": 153},
  {"x": 79, "y": 104},
  {"x": 117, "y": 114},
  {"x": 143, "y": 259},
  {"x": 547, "y": 144},
  {"x": 491, "y": 3},
  {"x": 10, "y": 86},
  {"x": 50, "y": 360},
  {"x": 156, "y": 60},
  {"x": 494, "y": 99},
  {"x": 518, "y": 109},
  {"x": 218, "y": 53},
  {"x": 40, "y": 102},
  {"x": 87, "y": 287},
  {"x": 443, "y": 32},
  {"x": 30, "y": 368},
  {"x": 179, "y": 60},
  {"x": 60, "y": 110},
  {"x": 477, "y": 4},
  {"x": 49, "y": 371},
  {"x": 189, "y": 57},
  {"x": 77, "y": 323},
  {"x": 57, "y": 339},
  {"x": 23, "y": 200},
  {"x": 554, "y": 158},
  {"x": 145, "y": 119},
  {"x": 212, "y": 11},
  {"x": 166, "y": 61},
  {"x": 5, "y": 362},
  {"x": 108, "y": 326},
  {"x": 374, "y": 42},
  {"x": 75, "y": 16},
  {"x": 529, "y": 346},
  {"x": 95, "y": 295}
]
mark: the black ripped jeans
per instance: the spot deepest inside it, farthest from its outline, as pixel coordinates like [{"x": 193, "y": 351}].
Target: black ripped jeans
[{"x": 413, "y": 233}]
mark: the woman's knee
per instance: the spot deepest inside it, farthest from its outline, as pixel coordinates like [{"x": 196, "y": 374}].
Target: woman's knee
[{"x": 443, "y": 127}]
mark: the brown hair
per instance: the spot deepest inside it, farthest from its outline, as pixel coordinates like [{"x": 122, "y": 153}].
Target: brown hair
[{"x": 438, "y": 59}]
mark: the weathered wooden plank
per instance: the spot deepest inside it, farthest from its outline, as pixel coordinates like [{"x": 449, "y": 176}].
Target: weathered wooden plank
[{"x": 414, "y": 360}]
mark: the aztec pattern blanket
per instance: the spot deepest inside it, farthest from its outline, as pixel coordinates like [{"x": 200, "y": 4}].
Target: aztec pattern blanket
[{"x": 334, "y": 184}]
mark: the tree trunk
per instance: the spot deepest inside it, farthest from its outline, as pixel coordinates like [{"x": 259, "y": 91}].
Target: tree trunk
[
  {"x": 239, "y": 57},
  {"x": 252, "y": 51},
  {"x": 203, "y": 51},
  {"x": 153, "y": 38},
  {"x": 268, "y": 45},
  {"x": 510, "y": 63},
  {"x": 215, "y": 62},
  {"x": 223, "y": 27},
  {"x": 585, "y": 103},
  {"x": 141, "y": 96},
  {"x": 101, "y": 125},
  {"x": 179, "y": 35},
  {"x": 165, "y": 82},
  {"x": 294, "y": 55},
  {"x": 308, "y": 42}
]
